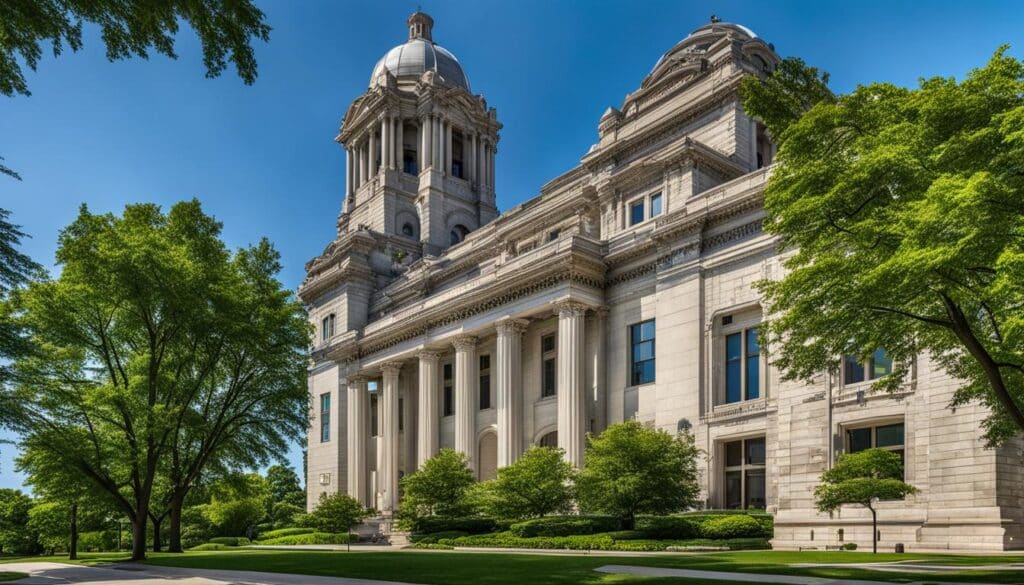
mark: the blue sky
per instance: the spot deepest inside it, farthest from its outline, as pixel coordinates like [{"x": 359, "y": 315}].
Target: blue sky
[{"x": 262, "y": 158}]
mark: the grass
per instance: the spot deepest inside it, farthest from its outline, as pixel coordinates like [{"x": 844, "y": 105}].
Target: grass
[
  {"x": 11, "y": 576},
  {"x": 480, "y": 568}
]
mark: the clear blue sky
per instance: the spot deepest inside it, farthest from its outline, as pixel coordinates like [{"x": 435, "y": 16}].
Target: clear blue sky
[{"x": 262, "y": 158}]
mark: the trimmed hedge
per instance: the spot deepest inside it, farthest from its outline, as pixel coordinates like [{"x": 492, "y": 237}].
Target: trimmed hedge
[
  {"x": 603, "y": 541},
  {"x": 735, "y": 526},
  {"x": 210, "y": 546},
  {"x": 433, "y": 538},
  {"x": 469, "y": 525},
  {"x": 669, "y": 527},
  {"x": 286, "y": 532},
  {"x": 311, "y": 538},
  {"x": 564, "y": 526},
  {"x": 433, "y": 546},
  {"x": 231, "y": 540}
]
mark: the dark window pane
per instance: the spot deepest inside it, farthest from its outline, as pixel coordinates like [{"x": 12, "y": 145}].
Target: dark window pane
[
  {"x": 485, "y": 362},
  {"x": 858, "y": 439},
  {"x": 753, "y": 344},
  {"x": 655, "y": 205},
  {"x": 549, "y": 440},
  {"x": 647, "y": 330},
  {"x": 643, "y": 351},
  {"x": 449, "y": 406},
  {"x": 636, "y": 213},
  {"x": 853, "y": 370},
  {"x": 373, "y": 416},
  {"x": 755, "y": 451},
  {"x": 550, "y": 373},
  {"x": 733, "y": 351},
  {"x": 755, "y": 496},
  {"x": 401, "y": 414},
  {"x": 753, "y": 377},
  {"x": 734, "y": 454},
  {"x": 447, "y": 371},
  {"x": 733, "y": 490},
  {"x": 881, "y": 364},
  {"x": 485, "y": 392},
  {"x": 547, "y": 343},
  {"x": 889, "y": 435}
]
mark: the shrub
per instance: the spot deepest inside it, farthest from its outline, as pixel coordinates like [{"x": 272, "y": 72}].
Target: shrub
[
  {"x": 283, "y": 514},
  {"x": 231, "y": 540},
  {"x": 432, "y": 538},
  {"x": 537, "y": 484},
  {"x": 469, "y": 525},
  {"x": 600, "y": 542},
  {"x": 311, "y": 538},
  {"x": 627, "y": 535},
  {"x": 338, "y": 512},
  {"x": 286, "y": 532},
  {"x": 850, "y": 546},
  {"x": 735, "y": 526},
  {"x": 669, "y": 527},
  {"x": 235, "y": 516},
  {"x": 565, "y": 526},
  {"x": 433, "y": 546},
  {"x": 439, "y": 488},
  {"x": 97, "y": 541},
  {"x": 209, "y": 546}
]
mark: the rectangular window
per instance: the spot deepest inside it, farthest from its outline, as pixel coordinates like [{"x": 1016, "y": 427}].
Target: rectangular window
[
  {"x": 641, "y": 352},
  {"x": 485, "y": 382},
  {"x": 656, "y": 205},
  {"x": 374, "y": 414},
  {"x": 741, "y": 364},
  {"x": 449, "y": 399},
  {"x": 327, "y": 327},
  {"x": 890, "y": 437},
  {"x": 549, "y": 357},
  {"x": 325, "y": 417},
  {"x": 401, "y": 414},
  {"x": 636, "y": 212},
  {"x": 745, "y": 474},
  {"x": 877, "y": 366}
]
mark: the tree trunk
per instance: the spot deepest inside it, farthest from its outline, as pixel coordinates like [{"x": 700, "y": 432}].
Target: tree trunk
[
  {"x": 156, "y": 533},
  {"x": 73, "y": 545},
  {"x": 139, "y": 536},
  {"x": 174, "y": 544},
  {"x": 874, "y": 530}
]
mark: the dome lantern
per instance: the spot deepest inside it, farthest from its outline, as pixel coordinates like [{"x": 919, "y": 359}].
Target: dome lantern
[{"x": 420, "y": 25}]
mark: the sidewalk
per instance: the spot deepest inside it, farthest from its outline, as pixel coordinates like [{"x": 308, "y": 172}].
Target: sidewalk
[
  {"x": 752, "y": 577},
  {"x": 60, "y": 573}
]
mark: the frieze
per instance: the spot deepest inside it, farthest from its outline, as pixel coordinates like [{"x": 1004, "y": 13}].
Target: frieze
[{"x": 729, "y": 236}]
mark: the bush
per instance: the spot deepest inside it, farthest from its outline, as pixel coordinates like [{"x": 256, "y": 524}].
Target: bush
[
  {"x": 231, "y": 540},
  {"x": 565, "y": 526},
  {"x": 469, "y": 525},
  {"x": 337, "y": 513},
  {"x": 669, "y": 527},
  {"x": 210, "y": 546},
  {"x": 600, "y": 542},
  {"x": 537, "y": 484},
  {"x": 850, "y": 546},
  {"x": 283, "y": 514},
  {"x": 286, "y": 532},
  {"x": 627, "y": 535},
  {"x": 97, "y": 541},
  {"x": 311, "y": 538},
  {"x": 433, "y": 538},
  {"x": 433, "y": 546},
  {"x": 735, "y": 526}
]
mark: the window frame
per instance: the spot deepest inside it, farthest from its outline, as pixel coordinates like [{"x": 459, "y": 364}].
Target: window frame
[
  {"x": 867, "y": 367},
  {"x": 874, "y": 424},
  {"x": 633, "y": 342},
  {"x": 740, "y": 321},
  {"x": 325, "y": 417},
  {"x": 646, "y": 203},
  {"x": 327, "y": 327},
  {"x": 546, "y": 356},
  {"x": 485, "y": 376},
  {"x": 743, "y": 469},
  {"x": 447, "y": 390}
]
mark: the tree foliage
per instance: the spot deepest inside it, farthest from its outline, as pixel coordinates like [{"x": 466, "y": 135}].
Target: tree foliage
[
  {"x": 285, "y": 486},
  {"x": 15, "y": 535},
  {"x": 539, "y": 483},
  {"x": 337, "y": 513},
  {"x": 129, "y": 28},
  {"x": 863, "y": 478},
  {"x": 781, "y": 98},
  {"x": 159, "y": 352},
  {"x": 15, "y": 269},
  {"x": 439, "y": 488},
  {"x": 632, "y": 469},
  {"x": 903, "y": 214}
]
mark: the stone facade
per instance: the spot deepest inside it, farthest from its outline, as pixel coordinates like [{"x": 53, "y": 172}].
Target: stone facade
[{"x": 624, "y": 290}]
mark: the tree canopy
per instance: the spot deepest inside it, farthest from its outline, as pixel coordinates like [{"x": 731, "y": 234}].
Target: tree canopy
[
  {"x": 902, "y": 214},
  {"x": 537, "y": 484},
  {"x": 129, "y": 28},
  {"x": 439, "y": 488},
  {"x": 632, "y": 469}
]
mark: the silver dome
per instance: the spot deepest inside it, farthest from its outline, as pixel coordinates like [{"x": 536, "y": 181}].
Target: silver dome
[{"x": 411, "y": 60}]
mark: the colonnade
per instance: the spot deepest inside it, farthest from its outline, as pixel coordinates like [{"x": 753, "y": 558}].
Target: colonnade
[
  {"x": 382, "y": 146},
  {"x": 571, "y": 397}
]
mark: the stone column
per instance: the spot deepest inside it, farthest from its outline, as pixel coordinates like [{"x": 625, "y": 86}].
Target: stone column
[
  {"x": 448, "y": 148},
  {"x": 572, "y": 406},
  {"x": 600, "y": 388},
  {"x": 385, "y": 142},
  {"x": 490, "y": 169},
  {"x": 348, "y": 178},
  {"x": 358, "y": 434},
  {"x": 435, "y": 161},
  {"x": 389, "y": 444},
  {"x": 466, "y": 381},
  {"x": 360, "y": 161},
  {"x": 472, "y": 159},
  {"x": 509, "y": 360},
  {"x": 400, "y": 144},
  {"x": 428, "y": 440}
]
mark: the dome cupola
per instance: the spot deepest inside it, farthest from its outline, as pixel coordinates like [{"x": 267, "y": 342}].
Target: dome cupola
[{"x": 409, "y": 61}]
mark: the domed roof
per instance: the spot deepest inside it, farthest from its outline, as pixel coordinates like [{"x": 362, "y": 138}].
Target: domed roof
[{"x": 420, "y": 54}]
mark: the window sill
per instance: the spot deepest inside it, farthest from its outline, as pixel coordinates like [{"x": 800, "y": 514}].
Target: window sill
[
  {"x": 545, "y": 399},
  {"x": 639, "y": 386}
]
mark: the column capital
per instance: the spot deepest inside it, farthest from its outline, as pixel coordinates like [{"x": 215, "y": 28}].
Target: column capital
[
  {"x": 601, "y": 312},
  {"x": 358, "y": 378},
  {"x": 465, "y": 342},
  {"x": 509, "y": 326},
  {"x": 391, "y": 368},
  {"x": 571, "y": 308},
  {"x": 428, "y": 355}
]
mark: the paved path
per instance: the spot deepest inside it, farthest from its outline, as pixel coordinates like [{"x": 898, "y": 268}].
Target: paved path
[
  {"x": 748, "y": 577},
  {"x": 59, "y": 573},
  {"x": 920, "y": 566}
]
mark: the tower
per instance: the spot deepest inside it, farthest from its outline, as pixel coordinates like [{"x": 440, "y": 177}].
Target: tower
[{"x": 420, "y": 149}]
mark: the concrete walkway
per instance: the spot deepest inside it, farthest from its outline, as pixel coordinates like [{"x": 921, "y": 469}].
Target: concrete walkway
[
  {"x": 59, "y": 573},
  {"x": 921, "y": 566},
  {"x": 750, "y": 577}
]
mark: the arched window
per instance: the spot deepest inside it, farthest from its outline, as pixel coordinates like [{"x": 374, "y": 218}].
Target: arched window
[
  {"x": 549, "y": 440},
  {"x": 458, "y": 234},
  {"x": 408, "y": 230}
]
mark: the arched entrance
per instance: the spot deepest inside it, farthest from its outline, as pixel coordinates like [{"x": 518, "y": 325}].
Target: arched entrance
[
  {"x": 549, "y": 440},
  {"x": 487, "y": 453}
]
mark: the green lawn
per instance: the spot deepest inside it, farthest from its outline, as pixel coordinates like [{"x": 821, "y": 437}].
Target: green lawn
[
  {"x": 502, "y": 569},
  {"x": 11, "y": 576}
]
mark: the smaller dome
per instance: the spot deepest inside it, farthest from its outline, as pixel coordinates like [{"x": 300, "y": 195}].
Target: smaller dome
[{"x": 409, "y": 61}]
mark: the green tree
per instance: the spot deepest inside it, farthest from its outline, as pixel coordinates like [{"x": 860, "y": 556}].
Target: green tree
[
  {"x": 632, "y": 469},
  {"x": 285, "y": 486},
  {"x": 49, "y": 521},
  {"x": 537, "y": 484},
  {"x": 239, "y": 502},
  {"x": 439, "y": 488},
  {"x": 225, "y": 29},
  {"x": 863, "y": 478},
  {"x": 903, "y": 211},
  {"x": 160, "y": 353},
  {"x": 337, "y": 513},
  {"x": 15, "y": 535},
  {"x": 15, "y": 269}
]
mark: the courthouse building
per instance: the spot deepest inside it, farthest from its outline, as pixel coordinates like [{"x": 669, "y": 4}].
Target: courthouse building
[{"x": 621, "y": 291}]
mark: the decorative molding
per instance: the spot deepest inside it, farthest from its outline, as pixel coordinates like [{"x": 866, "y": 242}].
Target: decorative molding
[
  {"x": 571, "y": 308},
  {"x": 510, "y": 326},
  {"x": 465, "y": 342}
]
